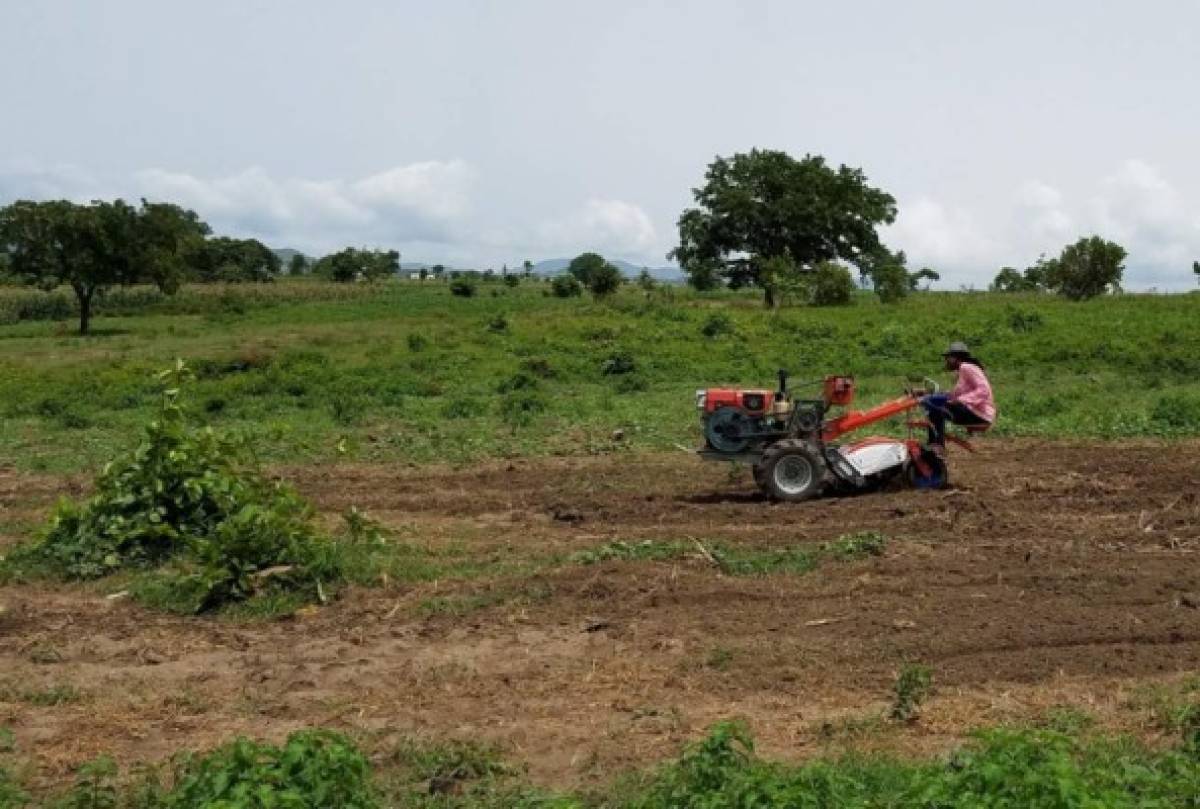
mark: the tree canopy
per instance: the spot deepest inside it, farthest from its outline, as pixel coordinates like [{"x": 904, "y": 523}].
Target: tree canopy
[
  {"x": 234, "y": 260},
  {"x": 763, "y": 204},
  {"x": 594, "y": 272},
  {"x": 1087, "y": 268},
  {"x": 353, "y": 265},
  {"x": 93, "y": 247}
]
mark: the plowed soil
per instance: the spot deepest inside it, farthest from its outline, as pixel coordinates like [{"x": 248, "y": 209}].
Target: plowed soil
[{"x": 1051, "y": 574}]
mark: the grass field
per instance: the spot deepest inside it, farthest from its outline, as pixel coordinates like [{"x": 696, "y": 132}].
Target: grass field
[
  {"x": 405, "y": 372},
  {"x": 546, "y": 604}
]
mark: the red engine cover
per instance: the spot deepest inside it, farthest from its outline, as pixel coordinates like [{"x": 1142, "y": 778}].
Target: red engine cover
[{"x": 754, "y": 402}]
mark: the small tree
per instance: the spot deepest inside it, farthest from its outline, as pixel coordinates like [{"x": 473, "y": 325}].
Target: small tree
[
  {"x": 527, "y": 268},
  {"x": 604, "y": 281},
  {"x": 585, "y": 265},
  {"x": 1009, "y": 280},
  {"x": 297, "y": 264},
  {"x": 891, "y": 283},
  {"x": 1087, "y": 268},
  {"x": 832, "y": 285},
  {"x": 646, "y": 281},
  {"x": 924, "y": 274},
  {"x": 1196, "y": 270}
]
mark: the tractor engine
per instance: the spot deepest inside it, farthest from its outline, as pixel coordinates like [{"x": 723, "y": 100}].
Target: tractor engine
[{"x": 737, "y": 420}]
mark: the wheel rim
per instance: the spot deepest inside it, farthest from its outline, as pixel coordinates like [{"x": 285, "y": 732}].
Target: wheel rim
[{"x": 793, "y": 474}]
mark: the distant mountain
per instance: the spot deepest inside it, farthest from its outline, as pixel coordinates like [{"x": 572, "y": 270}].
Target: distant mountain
[{"x": 557, "y": 266}]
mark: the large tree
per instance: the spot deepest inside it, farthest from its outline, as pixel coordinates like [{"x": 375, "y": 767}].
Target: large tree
[
  {"x": 93, "y": 247},
  {"x": 766, "y": 204}
]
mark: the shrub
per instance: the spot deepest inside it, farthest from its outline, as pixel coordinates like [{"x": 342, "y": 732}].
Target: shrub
[
  {"x": 186, "y": 501},
  {"x": 832, "y": 285},
  {"x": 619, "y": 362},
  {"x": 463, "y": 287},
  {"x": 716, "y": 325},
  {"x": 566, "y": 286},
  {"x": 313, "y": 769},
  {"x": 512, "y": 281},
  {"x": 498, "y": 324},
  {"x": 912, "y": 687}
]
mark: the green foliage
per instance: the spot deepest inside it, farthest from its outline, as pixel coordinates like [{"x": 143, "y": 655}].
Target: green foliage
[
  {"x": 512, "y": 281},
  {"x": 1087, "y": 268},
  {"x": 617, "y": 363},
  {"x": 925, "y": 274},
  {"x": 1011, "y": 280},
  {"x": 913, "y": 685},
  {"x": 316, "y": 769},
  {"x": 185, "y": 503},
  {"x": 856, "y": 546},
  {"x": 831, "y": 285},
  {"x": 358, "y": 265},
  {"x": 646, "y": 550},
  {"x": 645, "y": 281},
  {"x": 233, "y": 260},
  {"x": 463, "y": 287},
  {"x": 766, "y": 203},
  {"x": 91, "y": 248},
  {"x": 593, "y": 272},
  {"x": 891, "y": 282},
  {"x": 716, "y": 325},
  {"x": 566, "y": 286}
]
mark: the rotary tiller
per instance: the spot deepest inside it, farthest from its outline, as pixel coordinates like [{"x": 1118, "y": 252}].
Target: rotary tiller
[{"x": 791, "y": 443}]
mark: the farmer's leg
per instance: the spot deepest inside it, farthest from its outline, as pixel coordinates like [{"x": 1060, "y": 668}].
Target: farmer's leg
[{"x": 935, "y": 410}]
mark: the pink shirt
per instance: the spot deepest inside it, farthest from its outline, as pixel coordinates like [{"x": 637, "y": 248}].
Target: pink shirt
[{"x": 973, "y": 390}]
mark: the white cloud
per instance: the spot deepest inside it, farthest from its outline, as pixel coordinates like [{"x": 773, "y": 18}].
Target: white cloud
[
  {"x": 608, "y": 226},
  {"x": 425, "y": 209},
  {"x": 931, "y": 233},
  {"x": 1135, "y": 206}
]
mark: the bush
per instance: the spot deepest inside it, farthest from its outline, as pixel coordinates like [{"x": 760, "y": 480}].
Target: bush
[
  {"x": 566, "y": 286},
  {"x": 716, "y": 325},
  {"x": 832, "y": 285},
  {"x": 186, "y": 502},
  {"x": 463, "y": 287},
  {"x": 512, "y": 281},
  {"x": 313, "y": 769}
]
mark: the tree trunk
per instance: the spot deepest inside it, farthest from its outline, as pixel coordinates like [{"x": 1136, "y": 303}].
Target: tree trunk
[
  {"x": 85, "y": 309},
  {"x": 769, "y": 296}
]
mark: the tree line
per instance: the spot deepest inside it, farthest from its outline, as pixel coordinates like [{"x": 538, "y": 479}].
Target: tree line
[{"x": 92, "y": 247}]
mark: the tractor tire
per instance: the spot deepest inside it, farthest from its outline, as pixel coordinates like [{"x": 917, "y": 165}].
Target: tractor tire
[
  {"x": 938, "y": 477},
  {"x": 792, "y": 471}
]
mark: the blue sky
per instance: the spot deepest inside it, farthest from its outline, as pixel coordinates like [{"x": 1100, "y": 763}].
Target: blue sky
[{"x": 480, "y": 133}]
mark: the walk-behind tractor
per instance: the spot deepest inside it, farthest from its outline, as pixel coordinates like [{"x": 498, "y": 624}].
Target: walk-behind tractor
[{"x": 789, "y": 441}]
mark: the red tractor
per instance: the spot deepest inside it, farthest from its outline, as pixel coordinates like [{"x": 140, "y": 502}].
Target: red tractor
[{"x": 790, "y": 442}]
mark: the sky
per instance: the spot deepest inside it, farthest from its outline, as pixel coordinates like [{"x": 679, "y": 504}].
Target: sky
[{"x": 478, "y": 134}]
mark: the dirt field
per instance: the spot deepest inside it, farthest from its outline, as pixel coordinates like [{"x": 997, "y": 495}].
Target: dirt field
[{"x": 1053, "y": 574}]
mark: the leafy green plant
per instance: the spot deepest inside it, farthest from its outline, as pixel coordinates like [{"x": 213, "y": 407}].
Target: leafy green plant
[
  {"x": 463, "y": 288},
  {"x": 187, "y": 503},
  {"x": 717, "y": 324},
  {"x": 912, "y": 686},
  {"x": 856, "y": 546},
  {"x": 566, "y": 286}
]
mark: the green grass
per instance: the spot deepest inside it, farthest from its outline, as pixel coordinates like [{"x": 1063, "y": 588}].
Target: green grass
[
  {"x": 407, "y": 372},
  {"x": 1002, "y": 768},
  {"x": 734, "y": 560}
]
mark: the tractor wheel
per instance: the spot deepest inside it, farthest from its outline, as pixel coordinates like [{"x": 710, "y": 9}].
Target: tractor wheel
[
  {"x": 938, "y": 477},
  {"x": 792, "y": 471}
]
